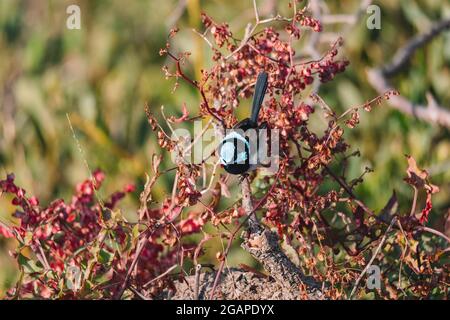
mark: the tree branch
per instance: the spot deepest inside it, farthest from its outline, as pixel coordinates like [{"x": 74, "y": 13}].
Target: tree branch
[
  {"x": 263, "y": 245},
  {"x": 402, "y": 56},
  {"x": 432, "y": 112}
]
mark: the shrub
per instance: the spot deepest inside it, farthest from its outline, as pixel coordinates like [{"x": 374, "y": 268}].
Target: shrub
[{"x": 86, "y": 249}]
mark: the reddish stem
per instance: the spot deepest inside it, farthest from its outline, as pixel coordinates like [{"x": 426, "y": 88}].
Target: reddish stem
[{"x": 196, "y": 85}]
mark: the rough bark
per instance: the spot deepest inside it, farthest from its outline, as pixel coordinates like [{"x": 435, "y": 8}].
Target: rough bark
[
  {"x": 263, "y": 245},
  {"x": 285, "y": 280},
  {"x": 235, "y": 284}
]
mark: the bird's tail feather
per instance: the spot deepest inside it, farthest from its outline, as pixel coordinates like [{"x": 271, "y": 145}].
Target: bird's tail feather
[{"x": 260, "y": 91}]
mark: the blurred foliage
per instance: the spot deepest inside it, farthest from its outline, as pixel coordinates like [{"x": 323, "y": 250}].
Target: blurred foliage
[{"x": 103, "y": 74}]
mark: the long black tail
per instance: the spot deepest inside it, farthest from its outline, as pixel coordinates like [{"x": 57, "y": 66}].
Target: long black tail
[{"x": 260, "y": 91}]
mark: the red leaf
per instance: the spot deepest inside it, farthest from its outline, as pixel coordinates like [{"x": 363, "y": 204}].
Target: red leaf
[
  {"x": 71, "y": 217},
  {"x": 427, "y": 209},
  {"x": 182, "y": 118},
  {"x": 5, "y": 232}
]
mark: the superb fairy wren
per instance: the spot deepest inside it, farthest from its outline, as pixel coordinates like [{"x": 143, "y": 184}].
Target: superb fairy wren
[{"x": 238, "y": 150}]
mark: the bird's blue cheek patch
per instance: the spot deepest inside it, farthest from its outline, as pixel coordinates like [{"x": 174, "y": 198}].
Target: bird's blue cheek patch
[
  {"x": 241, "y": 157},
  {"x": 227, "y": 153},
  {"x": 228, "y": 149}
]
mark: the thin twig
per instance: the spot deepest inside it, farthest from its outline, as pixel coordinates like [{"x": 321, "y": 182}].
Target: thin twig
[
  {"x": 213, "y": 175},
  {"x": 161, "y": 275},
  {"x": 373, "y": 257},
  {"x": 198, "y": 267},
  {"x": 413, "y": 207},
  {"x": 349, "y": 191},
  {"x": 435, "y": 232},
  {"x": 203, "y": 36},
  {"x": 139, "y": 248},
  {"x": 431, "y": 113},
  {"x": 250, "y": 29},
  {"x": 140, "y": 295},
  {"x": 91, "y": 175},
  {"x": 194, "y": 84}
]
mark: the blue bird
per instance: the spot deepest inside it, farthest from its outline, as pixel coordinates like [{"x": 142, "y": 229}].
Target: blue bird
[{"x": 236, "y": 152}]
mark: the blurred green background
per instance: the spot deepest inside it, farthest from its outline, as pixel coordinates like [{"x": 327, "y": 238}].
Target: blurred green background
[{"x": 103, "y": 74}]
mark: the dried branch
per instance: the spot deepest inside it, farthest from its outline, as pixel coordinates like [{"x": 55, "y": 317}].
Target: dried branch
[
  {"x": 265, "y": 248},
  {"x": 263, "y": 245},
  {"x": 435, "y": 232},
  {"x": 161, "y": 275},
  {"x": 253, "y": 225},
  {"x": 250, "y": 29},
  {"x": 432, "y": 112},
  {"x": 403, "y": 55},
  {"x": 235, "y": 284},
  {"x": 196, "y": 85},
  {"x": 197, "y": 281}
]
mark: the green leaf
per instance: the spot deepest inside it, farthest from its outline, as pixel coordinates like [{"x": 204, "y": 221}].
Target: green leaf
[
  {"x": 28, "y": 265},
  {"x": 105, "y": 257}
]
